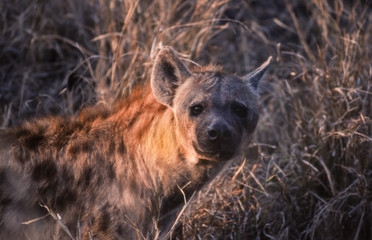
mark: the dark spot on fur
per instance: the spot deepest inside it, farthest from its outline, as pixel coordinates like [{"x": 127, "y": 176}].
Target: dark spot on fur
[
  {"x": 133, "y": 186},
  {"x": 181, "y": 157},
  {"x": 111, "y": 171},
  {"x": 104, "y": 220},
  {"x": 32, "y": 140},
  {"x": 85, "y": 146},
  {"x": 74, "y": 149},
  {"x": 64, "y": 198},
  {"x": 87, "y": 128},
  {"x": 134, "y": 119},
  {"x": 78, "y": 147},
  {"x": 86, "y": 177},
  {"x": 64, "y": 130},
  {"x": 45, "y": 170},
  {"x": 22, "y": 155},
  {"x": 121, "y": 148},
  {"x": 111, "y": 147},
  {"x": 98, "y": 178},
  {"x": 66, "y": 195},
  {"x": 60, "y": 141}
]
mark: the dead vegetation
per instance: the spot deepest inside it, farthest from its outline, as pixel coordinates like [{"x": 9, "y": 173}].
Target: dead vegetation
[{"x": 308, "y": 174}]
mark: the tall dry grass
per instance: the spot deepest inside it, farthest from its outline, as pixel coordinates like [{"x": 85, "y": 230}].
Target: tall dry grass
[{"x": 308, "y": 174}]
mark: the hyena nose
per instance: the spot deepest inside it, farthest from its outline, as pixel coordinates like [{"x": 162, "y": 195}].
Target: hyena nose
[{"x": 218, "y": 132}]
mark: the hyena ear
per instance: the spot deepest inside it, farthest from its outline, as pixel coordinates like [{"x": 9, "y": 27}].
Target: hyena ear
[
  {"x": 167, "y": 74},
  {"x": 253, "y": 78}
]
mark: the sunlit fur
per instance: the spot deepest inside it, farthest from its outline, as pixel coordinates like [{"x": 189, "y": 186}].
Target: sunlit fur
[{"x": 151, "y": 165}]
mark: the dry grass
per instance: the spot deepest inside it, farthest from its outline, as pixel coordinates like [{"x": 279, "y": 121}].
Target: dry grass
[{"x": 308, "y": 174}]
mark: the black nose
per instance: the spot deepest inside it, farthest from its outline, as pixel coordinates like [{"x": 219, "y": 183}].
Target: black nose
[{"x": 218, "y": 131}]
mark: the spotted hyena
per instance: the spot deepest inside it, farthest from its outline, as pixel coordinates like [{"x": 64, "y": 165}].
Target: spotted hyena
[{"x": 124, "y": 172}]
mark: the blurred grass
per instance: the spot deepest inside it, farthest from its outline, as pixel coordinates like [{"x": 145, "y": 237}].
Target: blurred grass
[{"x": 308, "y": 175}]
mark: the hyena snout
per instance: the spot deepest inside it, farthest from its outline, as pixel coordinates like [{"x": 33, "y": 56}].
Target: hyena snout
[
  {"x": 217, "y": 140},
  {"x": 219, "y": 132}
]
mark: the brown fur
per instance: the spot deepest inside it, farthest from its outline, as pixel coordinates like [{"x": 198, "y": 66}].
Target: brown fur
[{"x": 112, "y": 173}]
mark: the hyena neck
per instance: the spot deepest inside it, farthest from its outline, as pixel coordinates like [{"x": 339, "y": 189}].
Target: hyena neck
[{"x": 152, "y": 135}]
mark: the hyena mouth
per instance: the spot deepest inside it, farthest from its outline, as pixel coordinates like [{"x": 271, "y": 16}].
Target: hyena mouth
[{"x": 219, "y": 155}]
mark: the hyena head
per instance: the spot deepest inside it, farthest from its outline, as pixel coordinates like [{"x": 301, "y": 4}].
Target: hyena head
[{"x": 215, "y": 113}]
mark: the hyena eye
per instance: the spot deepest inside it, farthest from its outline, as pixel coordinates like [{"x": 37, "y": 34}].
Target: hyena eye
[
  {"x": 196, "y": 109},
  {"x": 239, "y": 109}
]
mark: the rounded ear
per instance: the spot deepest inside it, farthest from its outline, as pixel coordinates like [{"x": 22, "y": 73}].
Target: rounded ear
[
  {"x": 253, "y": 78},
  {"x": 167, "y": 74}
]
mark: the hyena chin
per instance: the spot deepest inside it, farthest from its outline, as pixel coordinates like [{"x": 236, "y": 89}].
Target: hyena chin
[{"x": 124, "y": 172}]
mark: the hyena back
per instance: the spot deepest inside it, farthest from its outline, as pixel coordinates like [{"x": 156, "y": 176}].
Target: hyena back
[{"x": 123, "y": 172}]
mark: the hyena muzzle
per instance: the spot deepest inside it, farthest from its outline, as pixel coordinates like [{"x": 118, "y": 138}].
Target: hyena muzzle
[{"x": 124, "y": 172}]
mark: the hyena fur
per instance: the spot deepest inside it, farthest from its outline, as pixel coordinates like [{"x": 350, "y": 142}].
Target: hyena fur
[{"x": 124, "y": 172}]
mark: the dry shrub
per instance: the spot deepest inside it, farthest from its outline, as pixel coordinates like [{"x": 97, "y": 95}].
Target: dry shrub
[{"x": 308, "y": 174}]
